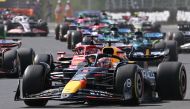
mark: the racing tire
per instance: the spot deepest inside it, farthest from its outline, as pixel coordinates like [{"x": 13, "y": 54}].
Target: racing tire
[
  {"x": 46, "y": 58},
  {"x": 43, "y": 26},
  {"x": 11, "y": 63},
  {"x": 156, "y": 27},
  {"x": 10, "y": 25},
  {"x": 69, "y": 37},
  {"x": 2, "y": 31},
  {"x": 173, "y": 52},
  {"x": 26, "y": 56},
  {"x": 34, "y": 81},
  {"x": 64, "y": 30},
  {"x": 130, "y": 78},
  {"x": 57, "y": 30},
  {"x": 160, "y": 45},
  {"x": 76, "y": 38},
  {"x": 171, "y": 81},
  {"x": 179, "y": 38}
]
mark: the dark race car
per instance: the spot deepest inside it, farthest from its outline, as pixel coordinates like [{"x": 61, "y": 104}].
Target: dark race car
[
  {"x": 101, "y": 80},
  {"x": 182, "y": 37}
]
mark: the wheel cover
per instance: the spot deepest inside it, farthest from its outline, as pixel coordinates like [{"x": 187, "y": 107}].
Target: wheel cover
[
  {"x": 183, "y": 83},
  {"x": 138, "y": 85}
]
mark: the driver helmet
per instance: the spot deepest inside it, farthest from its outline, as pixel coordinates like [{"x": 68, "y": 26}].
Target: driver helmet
[
  {"x": 87, "y": 41},
  {"x": 114, "y": 31},
  {"x": 81, "y": 16},
  {"x": 92, "y": 59},
  {"x": 104, "y": 63},
  {"x": 80, "y": 51}
]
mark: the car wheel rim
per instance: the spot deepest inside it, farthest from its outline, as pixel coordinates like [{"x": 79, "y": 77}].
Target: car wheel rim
[
  {"x": 183, "y": 83},
  {"x": 139, "y": 85}
]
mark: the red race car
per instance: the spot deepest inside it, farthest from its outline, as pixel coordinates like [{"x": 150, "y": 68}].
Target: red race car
[
  {"x": 79, "y": 55},
  {"x": 13, "y": 59},
  {"x": 81, "y": 51}
]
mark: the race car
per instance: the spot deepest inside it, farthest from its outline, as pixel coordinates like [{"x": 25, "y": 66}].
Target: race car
[
  {"x": 182, "y": 37},
  {"x": 27, "y": 26},
  {"x": 123, "y": 38},
  {"x": 76, "y": 60},
  {"x": 79, "y": 28},
  {"x": 84, "y": 18},
  {"x": 102, "y": 80},
  {"x": 135, "y": 41},
  {"x": 141, "y": 22},
  {"x": 62, "y": 29},
  {"x": 80, "y": 52},
  {"x": 13, "y": 58},
  {"x": 85, "y": 21}
]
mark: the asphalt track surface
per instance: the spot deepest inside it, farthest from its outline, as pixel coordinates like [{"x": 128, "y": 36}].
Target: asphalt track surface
[{"x": 50, "y": 45}]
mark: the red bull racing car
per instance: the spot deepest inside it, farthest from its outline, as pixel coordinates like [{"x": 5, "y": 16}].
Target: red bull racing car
[{"x": 101, "y": 79}]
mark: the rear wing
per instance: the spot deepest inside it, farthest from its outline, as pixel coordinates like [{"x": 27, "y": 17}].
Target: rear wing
[{"x": 154, "y": 35}]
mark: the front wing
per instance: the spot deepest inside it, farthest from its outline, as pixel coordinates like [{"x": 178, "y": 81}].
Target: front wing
[{"x": 81, "y": 95}]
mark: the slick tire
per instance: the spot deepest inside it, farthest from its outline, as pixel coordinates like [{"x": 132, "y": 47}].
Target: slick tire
[
  {"x": 173, "y": 52},
  {"x": 43, "y": 26},
  {"x": 35, "y": 81},
  {"x": 160, "y": 45},
  {"x": 64, "y": 30},
  {"x": 129, "y": 78},
  {"x": 156, "y": 27},
  {"x": 69, "y": 43},
  {"x": 26, "y": 56},
  {"x": 76, "y": 38},
  {"x": 57, "y": 30},
  {"x": 171, "y": 81},
  {"x": 2, "y": 31},
  {"x": 44, "y": 58},
  {"x": 179, "y": 38},
  {"x": 11, "y": 63}
]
